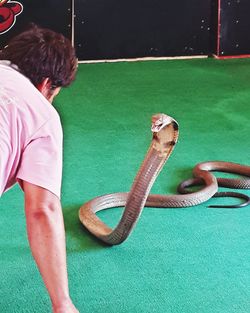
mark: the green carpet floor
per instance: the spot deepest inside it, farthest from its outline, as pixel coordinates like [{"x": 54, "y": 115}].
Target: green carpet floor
[{"x": 176, "y": 260}]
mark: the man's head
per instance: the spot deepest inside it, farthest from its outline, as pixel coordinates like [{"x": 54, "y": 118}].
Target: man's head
[{"x": 47, "y": 58}]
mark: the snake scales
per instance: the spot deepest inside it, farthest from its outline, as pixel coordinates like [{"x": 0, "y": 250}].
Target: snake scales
[{"x": 165, "y": 135}]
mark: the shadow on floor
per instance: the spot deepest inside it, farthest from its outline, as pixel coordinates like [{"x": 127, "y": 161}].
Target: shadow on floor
[{"x": 78, "y": 237}]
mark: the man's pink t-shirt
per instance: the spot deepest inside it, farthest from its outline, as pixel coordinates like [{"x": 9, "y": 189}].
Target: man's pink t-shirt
[{"x": 30, "y": 134}]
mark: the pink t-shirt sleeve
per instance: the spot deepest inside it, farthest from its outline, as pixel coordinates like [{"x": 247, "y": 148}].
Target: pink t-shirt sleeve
[{"x": 41, "y": 162}]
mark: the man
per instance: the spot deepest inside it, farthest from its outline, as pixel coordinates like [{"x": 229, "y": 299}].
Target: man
[{"x": 33, "y": 67}]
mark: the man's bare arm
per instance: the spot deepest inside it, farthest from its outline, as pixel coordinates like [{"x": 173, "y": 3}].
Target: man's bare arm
[{"x": 46, "y": 236}]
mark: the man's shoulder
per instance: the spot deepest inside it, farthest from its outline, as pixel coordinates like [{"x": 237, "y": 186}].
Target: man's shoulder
[{"x": 22, "y": 101}]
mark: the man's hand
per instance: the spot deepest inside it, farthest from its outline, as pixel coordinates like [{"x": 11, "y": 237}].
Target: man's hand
[{"x": 66, "y": 308}]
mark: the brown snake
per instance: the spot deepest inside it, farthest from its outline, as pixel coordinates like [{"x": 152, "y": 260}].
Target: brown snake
[{"x": 165, "y": 135}]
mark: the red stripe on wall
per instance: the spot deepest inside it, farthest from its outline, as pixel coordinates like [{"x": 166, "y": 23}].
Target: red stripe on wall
[{"x": 218, "y": 28}]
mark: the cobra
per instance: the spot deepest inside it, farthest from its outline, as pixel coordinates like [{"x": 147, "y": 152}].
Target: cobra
[{"x": 165, "y": 135}]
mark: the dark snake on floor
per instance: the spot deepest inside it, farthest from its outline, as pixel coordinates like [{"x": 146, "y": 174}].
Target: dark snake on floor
[{"x": 165, "y": 134}]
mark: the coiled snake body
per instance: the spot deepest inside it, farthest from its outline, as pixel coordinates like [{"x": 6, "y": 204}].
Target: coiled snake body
[{"x": 165, "y": 135}]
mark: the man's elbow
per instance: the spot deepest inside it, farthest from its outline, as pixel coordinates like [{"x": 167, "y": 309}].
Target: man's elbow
[{"x": 43, "y": 211}]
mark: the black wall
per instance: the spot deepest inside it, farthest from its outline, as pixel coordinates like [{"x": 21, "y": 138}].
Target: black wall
[
  {"x": 235, "y": 27},
  {"x": 54, "y": 14},
  {"x": 116, "y": 29},
  {"x": 113, "y": 29}
]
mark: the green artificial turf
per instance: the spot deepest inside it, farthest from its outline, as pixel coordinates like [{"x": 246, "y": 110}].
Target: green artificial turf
[{"x": 176, "y": 260}]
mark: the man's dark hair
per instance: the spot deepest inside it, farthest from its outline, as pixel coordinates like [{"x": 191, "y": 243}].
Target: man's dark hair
[{"x": 42, "y": 53}]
